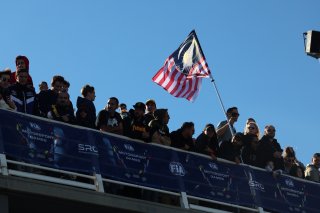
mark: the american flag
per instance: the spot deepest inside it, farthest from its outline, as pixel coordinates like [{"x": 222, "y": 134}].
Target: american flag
[{"x": 182, "y": 72}]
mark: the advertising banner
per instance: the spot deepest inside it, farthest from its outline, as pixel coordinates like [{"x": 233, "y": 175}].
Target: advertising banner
[{"x": 56, "y": 145}]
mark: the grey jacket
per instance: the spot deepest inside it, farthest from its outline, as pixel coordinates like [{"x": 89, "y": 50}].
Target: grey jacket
[{"x": 312, "y": 173}]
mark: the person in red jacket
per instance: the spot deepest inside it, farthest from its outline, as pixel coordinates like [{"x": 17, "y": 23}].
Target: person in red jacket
[{"x": 22, "y": 63}]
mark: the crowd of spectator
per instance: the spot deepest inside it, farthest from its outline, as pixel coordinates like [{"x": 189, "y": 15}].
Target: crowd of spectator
[{"x": 149, "y": 124}]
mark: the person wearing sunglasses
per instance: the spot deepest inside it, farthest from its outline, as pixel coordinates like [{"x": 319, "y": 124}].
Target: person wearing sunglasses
[
  {"x": 223, "y": 130},
  {"x": 269, "y": 149},
  {"x": 252, "y": 129}
]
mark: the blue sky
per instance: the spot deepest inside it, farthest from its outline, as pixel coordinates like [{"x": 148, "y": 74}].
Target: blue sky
[{"x": 254, "y": 50}]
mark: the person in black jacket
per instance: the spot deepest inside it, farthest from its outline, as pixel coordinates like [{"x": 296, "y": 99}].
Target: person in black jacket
[
  {"x": 23, "y": 96},
  {"x": 47, "y": 98},
  {"x": 249, "y": 153},
  {"x": 62, "y": 110},
  {"x": 269, "y": 149},
  {"x": 207, "y": 141},
  {"x": 182, "y": 138},
  {"x": 138, "y": 127},
  {"x": 6, "y": 100},
  {"x": 159, "y": 131},
  {"x": 232, "y": 150},
  {"x": 86, "y": 113}
]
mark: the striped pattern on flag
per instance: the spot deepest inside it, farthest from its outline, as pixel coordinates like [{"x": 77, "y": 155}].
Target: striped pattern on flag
[{"x": 179, "y": 84}]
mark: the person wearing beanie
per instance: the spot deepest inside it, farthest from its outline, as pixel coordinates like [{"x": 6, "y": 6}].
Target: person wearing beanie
[{"x": 22, "y": 63}]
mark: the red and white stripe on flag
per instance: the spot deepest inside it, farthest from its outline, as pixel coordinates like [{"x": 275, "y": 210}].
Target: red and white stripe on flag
[
  {"x": 177, "y": 83},
  {"x": 182, "y": 72}
]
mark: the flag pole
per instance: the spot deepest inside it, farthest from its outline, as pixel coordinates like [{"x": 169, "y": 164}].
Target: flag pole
[
  {"x": 215, "y": 86},
  {"x": 221, "y": 103}
]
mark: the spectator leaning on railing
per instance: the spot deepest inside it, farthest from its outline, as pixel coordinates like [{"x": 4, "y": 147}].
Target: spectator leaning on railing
[
  {"x": 182, "y": 138},
  {"x": 47, "y": 98},
  {"x": 23, "y": 96},
  {"x": 138, "y": 128},
  {"x": 312, "y": 170},
  {"x": 108, "y": 119},
  {"x": 159, "y": 131},
  {"x": 207, "y": 142},
  {"x": 232, "y": 151},
  {"x": 62, "y": 110},
  {"x": 269, "y": 149}
]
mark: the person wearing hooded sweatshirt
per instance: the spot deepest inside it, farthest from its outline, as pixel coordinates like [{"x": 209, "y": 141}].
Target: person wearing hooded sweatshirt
[
  {"x": 23, "y": 96},
  {"x": 86, "y": 113},
  {"x": 159, "y": 131},
  {"x": 22, "y": 63}
]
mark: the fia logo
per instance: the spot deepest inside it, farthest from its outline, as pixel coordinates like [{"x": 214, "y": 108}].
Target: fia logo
[
  {"x": 176, "y": 168},
  {"x": 213, "y": 166},
  {"x": 128, "y": 147},
  {"x": 35, "y": 126},
  {"x": 289, "y": 182}
]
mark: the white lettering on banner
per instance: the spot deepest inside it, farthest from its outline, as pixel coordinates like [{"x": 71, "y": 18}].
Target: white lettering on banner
[
  {"x": 36, "y": 135},
  {"x": 35, "y": 126},
  {"x": 292, "y": 191},
  {"x": 256, "y": 185},
  {"x": 176, "y": 168},
  {"x": 128, "y": 147},
  {"x": 213, "y": 166},
  {"x": 87, "y": 149},
  {"x": 132, "y": 157},
  {"x": 289, "y": 182}
]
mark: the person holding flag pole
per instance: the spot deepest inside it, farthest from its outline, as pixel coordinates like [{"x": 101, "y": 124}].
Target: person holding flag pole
[{"x": 182, "y": 73}]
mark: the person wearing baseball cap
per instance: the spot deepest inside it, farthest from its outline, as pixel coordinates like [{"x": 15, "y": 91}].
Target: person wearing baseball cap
[
  {"x": 139, "y": 128},
  {"x": 150, "y": 108}
]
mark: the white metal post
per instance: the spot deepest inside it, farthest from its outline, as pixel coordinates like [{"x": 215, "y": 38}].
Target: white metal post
[
  {"x": 184, "y": 200},
  {"x": 3, "y": 164},
  {"x": 98, "y": 183}
]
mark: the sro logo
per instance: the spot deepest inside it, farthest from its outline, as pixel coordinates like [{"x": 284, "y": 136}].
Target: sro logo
[{"x": 86, "y": 148}]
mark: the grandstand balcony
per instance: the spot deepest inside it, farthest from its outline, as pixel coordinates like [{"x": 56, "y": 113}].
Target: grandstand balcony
[{"x": 48, "y": 166}]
